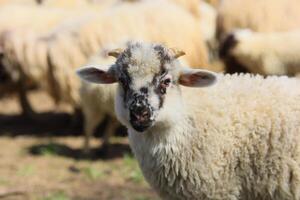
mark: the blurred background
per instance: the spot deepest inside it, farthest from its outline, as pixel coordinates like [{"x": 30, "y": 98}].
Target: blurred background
[{"x": 59, "y": 137}]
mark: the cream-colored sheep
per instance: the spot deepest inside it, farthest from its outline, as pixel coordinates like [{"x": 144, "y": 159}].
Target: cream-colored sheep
[
  {"x": 237, "y": 139},
  {"x": 258, "y": 15},
  {"x": 276, "y": 53},
  {"x": 40, "y": 20},
  {"x": 97, "y": 102}
]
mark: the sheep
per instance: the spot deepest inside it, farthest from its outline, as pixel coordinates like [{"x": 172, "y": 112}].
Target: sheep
[
  {"x": 264, "y": 53},
  {"x": 93, "y": 112},
  {"x": 40, "y": 20},
  {"x": 87, "y": 34},
  {"x": 236, "y": 137},
  {"x": 258, "y": 15},
  {"x": 68, "y": 47}
]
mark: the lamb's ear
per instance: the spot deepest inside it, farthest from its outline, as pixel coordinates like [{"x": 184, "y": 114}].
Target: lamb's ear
[
  {"x": 197, "y": 78},
  {"x": 96, "y": 74}
]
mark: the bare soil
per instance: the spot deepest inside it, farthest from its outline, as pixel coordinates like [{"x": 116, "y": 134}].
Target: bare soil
[{"x": 43, "y": 160}]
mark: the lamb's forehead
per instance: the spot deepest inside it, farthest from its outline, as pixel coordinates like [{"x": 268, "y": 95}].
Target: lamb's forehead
[{"x": 144, "y": 60}]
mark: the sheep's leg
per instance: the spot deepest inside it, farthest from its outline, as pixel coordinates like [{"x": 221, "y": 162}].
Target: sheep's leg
[
  {"x": 24, "y": 102},
  {"x": 76, "y": 119},
  {"x": 109, "y": 132},
  {"x": 91, "y": 121}
]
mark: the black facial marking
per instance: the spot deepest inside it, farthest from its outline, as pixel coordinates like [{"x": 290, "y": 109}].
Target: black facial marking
[
  {"x": 163, "y": 56},
  {"x": 160, "y": 89}
]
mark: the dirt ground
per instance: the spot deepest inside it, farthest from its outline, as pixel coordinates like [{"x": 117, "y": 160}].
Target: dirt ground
[{"x": 43, "y": 160}]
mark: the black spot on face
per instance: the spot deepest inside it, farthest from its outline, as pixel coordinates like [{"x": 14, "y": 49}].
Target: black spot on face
[
  {"x": 161, "y": 84},
  {"x": 163, "y": 56}
]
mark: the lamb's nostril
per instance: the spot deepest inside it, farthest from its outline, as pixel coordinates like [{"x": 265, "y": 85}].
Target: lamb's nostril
[
  {"x": 145, "y": 113},
  {"x": 144, "y": 90}
]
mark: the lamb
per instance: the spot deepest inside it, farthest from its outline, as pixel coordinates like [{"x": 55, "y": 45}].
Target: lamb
[
  {"x": 236, "y": 137},
  {"x": 274, "y": 53}
]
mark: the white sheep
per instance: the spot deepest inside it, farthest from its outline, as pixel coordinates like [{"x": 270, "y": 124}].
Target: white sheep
[
  {"x": 97, "y": 102},
  {"x": 69, "y": 46},
  {"x": 276, "y": 53},
  {"x": 238, "y": 139},
  {"x": 258, "y": 15}
]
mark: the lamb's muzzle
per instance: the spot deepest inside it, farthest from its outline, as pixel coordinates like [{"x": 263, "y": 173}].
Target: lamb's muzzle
[{"x": 140, "y": 113}]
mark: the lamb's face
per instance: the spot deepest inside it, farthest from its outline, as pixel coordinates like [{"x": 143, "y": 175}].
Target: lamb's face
[
  {"x": 148, "y": 77},
  {"x": 145, "y": 73}
]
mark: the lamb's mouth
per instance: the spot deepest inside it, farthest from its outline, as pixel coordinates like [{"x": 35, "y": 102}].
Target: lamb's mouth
[
  {"x": 140, "y": 124},
  {"x": 141, "y": 117},
  {"x": 141, "y": 127}
]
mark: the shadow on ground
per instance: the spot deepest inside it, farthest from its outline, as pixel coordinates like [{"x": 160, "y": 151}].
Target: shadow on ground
[
  {"x": 45, "y": 124},
  {"x": 52, "y": 148}
]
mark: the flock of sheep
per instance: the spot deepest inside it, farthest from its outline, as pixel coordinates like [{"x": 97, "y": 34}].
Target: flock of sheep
[{"x": 43, "y": 42}]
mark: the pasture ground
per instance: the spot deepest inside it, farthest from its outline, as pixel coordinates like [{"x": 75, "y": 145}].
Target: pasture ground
[{"x": 43, "y": 160}]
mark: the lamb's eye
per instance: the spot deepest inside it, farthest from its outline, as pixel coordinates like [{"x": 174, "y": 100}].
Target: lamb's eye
[
  {"x": 163, "y": 85},
  {"x": 167, "y": 82}
]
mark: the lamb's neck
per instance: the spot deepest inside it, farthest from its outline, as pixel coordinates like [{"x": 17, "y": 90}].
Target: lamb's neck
[{"x": 162, "y": 138}]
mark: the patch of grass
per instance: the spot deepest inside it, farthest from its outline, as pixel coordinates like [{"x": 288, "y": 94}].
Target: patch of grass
[
  {"x": 50, "y": 149},
  {"x": 56, "y": 196},
  {"x": 92, "y": 173},
  {"x": 3, "y": 182},
  {"x": 132, "y": 169},
  {"x": 26, "y": 170},
  {"x": 136, "y": 176},
  {"x": 129, "y": 160}
]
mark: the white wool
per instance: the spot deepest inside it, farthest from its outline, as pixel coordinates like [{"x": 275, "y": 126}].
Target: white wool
[{"x": 235, "y": 140}]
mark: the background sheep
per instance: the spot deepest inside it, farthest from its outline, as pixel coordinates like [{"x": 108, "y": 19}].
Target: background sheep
[
  {"x": 269, "y": 16},
  {"x": 274, "y": 53},
  {"x": 240, "y": 141}
]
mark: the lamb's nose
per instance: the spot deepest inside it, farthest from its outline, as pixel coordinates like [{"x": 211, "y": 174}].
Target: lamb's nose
[{"x": 140, "y": 113}]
